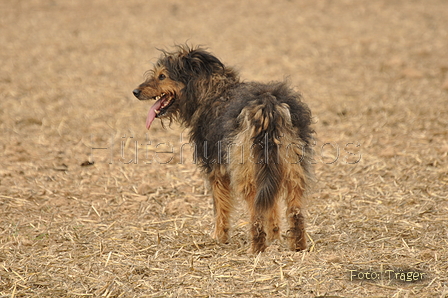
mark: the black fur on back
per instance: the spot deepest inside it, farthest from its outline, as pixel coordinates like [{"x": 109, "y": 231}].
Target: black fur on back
[{"x": 211, "y": 103}]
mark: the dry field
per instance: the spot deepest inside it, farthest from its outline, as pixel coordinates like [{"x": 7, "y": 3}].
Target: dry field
[{"x": 136, "y": 223}]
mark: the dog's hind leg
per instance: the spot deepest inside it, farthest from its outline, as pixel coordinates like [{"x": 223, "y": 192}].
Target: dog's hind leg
[
  {"x": 273, "y": 223},
  {"x": 222, "y": 204},
  {"x": 296, "y": 233},
  {"x": 258, "y": 217},
  {"x": 257, "y": 229}
]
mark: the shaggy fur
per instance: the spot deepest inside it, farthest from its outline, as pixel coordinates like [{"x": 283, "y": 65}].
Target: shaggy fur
[{"x": 252, "y": 140}]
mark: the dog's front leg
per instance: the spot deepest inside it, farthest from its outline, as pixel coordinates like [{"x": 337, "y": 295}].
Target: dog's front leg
[{"x": 222, "y": 204}]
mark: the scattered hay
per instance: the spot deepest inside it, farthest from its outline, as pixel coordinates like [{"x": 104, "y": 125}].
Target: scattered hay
[{"x": 83, "y": 215}]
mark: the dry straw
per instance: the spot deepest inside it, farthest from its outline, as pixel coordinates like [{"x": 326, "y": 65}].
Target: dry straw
[{"x": 373, "y": 74}]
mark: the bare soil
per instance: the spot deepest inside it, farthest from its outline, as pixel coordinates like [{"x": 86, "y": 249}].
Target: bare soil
[{"x": 136, "y": 222}]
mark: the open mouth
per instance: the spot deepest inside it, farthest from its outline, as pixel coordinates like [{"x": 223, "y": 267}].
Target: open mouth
[
  {"x": 166, "y": 101},
  {"x": 159, "y": 108}
]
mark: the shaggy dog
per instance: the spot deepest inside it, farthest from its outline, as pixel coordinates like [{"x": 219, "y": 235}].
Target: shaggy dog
[{"x": 252, "y": 139}]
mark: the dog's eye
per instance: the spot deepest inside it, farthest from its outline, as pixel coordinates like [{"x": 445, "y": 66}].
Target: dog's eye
[{"x": 162, "y": 77}]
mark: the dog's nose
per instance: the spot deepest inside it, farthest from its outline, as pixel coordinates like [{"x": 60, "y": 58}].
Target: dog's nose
[{"x": 136, "y": 92}]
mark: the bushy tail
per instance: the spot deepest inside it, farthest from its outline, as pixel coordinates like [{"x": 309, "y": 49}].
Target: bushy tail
[{"x": 268, "y": 167}]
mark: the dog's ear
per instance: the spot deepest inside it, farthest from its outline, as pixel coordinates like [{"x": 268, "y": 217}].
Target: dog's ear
[{"x": 199, "y": 62}]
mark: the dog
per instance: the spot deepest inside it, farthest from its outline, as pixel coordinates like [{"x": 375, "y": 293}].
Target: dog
[{"x": 253, "y": 140}]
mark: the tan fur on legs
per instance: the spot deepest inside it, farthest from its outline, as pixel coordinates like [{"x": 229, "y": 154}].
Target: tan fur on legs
[
  {"x": 296, "y": 182},
  {"x": 258, "y": 233},
  {"x": 257, "y": 223},
  {"x": 273, "y": 223},
  {"x": 223, "y": 205},
  {"x": 296, "y": 233}
]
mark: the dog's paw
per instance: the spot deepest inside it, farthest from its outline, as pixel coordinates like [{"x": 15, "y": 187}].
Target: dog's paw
[{"x": 221, "y": 236}]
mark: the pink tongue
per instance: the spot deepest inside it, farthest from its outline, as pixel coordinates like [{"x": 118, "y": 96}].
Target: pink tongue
[{"x": 152, "y": 114}]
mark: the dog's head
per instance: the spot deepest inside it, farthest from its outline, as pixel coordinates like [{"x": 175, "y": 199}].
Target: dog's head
[{"x": 177, "y": 82}]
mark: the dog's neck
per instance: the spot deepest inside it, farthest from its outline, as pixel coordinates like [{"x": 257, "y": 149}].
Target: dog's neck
[{"x": 202, "y": 93}]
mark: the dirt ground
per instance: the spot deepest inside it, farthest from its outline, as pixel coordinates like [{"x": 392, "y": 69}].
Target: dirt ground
[{"x": 137, "y": 222}]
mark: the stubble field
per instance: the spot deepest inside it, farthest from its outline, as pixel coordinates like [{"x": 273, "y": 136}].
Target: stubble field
[{"x": 137, "y": 222}]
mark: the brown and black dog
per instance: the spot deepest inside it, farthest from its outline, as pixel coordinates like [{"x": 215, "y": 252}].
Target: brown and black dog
[{"x": 252, "y": 139}]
